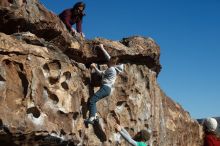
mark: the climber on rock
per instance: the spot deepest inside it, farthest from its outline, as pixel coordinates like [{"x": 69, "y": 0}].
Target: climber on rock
[
  {"x": 74, "y": 16},
  {"x": 107, "y": 82},
  {"x": 142, "y": 136}
]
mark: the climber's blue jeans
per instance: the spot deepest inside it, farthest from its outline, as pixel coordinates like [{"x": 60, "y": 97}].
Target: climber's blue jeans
[{"x": 101, "y": 93}]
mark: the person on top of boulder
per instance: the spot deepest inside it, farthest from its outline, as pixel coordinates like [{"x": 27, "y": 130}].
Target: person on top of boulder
[
  {"x": 74, "y": 16},
  {"x": 108, "y": 78},
  {"x": 211, "y": 138},
  {"x": 142, "y": 137}
]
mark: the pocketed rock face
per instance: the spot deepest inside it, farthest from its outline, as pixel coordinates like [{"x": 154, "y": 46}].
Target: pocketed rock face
[
  {"x": 39, "y": 94},
  {"x": 43, "y": 100},
  {"x": 45, "y": 87}
]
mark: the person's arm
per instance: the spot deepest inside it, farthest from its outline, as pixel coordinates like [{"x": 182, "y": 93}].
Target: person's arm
[
  {"x": 125, "y": 131},
  {"x": 79, "y": 26},
  {"x": 66, "y": 19},
  {"x": 127, "y": 137},
  {"x": 106, "y": 55}
]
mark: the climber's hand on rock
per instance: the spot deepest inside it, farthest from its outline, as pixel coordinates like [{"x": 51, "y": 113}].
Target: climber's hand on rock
[
  {"x": 73, "y": 31},
  {"x": 117, "y": 127},
  {"x": 93, "y": 65},
  {"x": 82, "y": 34},
  {"x": 101, "y": 46}
]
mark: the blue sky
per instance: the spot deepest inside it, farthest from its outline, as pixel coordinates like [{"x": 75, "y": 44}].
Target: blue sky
[{"x": 187, "y": 31}]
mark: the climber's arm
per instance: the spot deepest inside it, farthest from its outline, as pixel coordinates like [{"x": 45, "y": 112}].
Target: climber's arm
[
  {"x": 106, "y": 55},
  {"x": 127, "y": 137}
]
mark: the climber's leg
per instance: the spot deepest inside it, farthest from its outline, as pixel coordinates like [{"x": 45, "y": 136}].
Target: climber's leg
[{"x": 101, "y": 93}]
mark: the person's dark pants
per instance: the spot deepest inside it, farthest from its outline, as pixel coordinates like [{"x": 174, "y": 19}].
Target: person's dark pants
[{"x": 101, "y": 93}]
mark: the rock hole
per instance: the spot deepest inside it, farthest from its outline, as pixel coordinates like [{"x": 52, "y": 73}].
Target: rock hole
[
  {"x": 119, "y": 103},
  {"x": 46, "y": 67},
  {"x": 99, "y": 132},
  {"x": 72, "y": 143},
  {"x": 10, "y": 1},
  {"x": 20, "y": 65},
  {"x": 146, "y": 125},
  {"x": 52, "y": 96},
  {"x": 75, "y": 115},
  {"x": 155, "y": 142},
  {"x": 147, "y": 83},
  {"x": 129, "y": 111},
  {"x": 53, "y": 132},
  {"x": 133, "y": 120},
  {"x": 72, "y": 134},
  {"x": 6, "y": 62},
  {"x": 53, "y": 80},
  {"x": 115, "y": 116},
  {"x": 126, "y": 128},
  {"x": 1, "y": 123},
  {"x": 80, "y": 133},
  {"x": 62, "y": 113},
  {"x": 34, "y": 111},
  {"x": 87, "y": 81},
  {"x": 127, "y": 106},
  {"x": 19, "y": 68},
  {"x": 2, "y": 79},
  {"x": 65, "y": 86},
  {"x": 124, "y": 78},
  {"x": 22, "y": 75},
  {"x": 55, "y": 65},
  {"x": 21, "y": 138},
  {"x": 62, "y": 132},
  {"x": 155, "y": 133},
  {"x": 67, "y": 74},
  {"x": 84, "y": 108},
  {"x": 24, "y": 82}
]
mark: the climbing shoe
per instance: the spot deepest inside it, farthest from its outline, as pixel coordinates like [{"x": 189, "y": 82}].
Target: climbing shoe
[
  {"x": 92, "y": 120},
  {"x": 89, "y": 121}
]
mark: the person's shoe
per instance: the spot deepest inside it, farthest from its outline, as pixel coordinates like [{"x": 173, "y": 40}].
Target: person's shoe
[
  {"x": 96, "y": 117},
  {"x": 90, "y": 120}
]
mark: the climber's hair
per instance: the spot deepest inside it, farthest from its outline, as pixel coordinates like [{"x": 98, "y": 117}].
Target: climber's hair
[
  {"x": 78, "y": 4},
  {"x": 144, "y": 135},
  {"x": 114, "y": 60}
]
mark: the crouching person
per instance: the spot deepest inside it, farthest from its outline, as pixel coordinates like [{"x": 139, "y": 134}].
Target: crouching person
[{"x": 211, "y": 138}]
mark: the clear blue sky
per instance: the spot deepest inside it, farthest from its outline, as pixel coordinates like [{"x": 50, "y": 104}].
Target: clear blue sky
[{"x": 188, "y": 32}]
